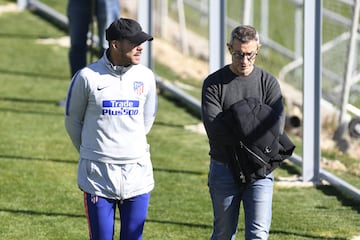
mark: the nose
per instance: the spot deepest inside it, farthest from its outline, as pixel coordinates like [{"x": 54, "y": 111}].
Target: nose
[
  {"x": 139, "y": 47},
  {"x": 243, "y": 58}
]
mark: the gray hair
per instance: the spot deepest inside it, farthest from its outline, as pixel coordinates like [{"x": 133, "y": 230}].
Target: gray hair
[{"x": 244, "y": 34}]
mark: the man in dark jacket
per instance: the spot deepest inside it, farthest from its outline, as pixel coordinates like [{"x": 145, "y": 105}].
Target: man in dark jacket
[{"x": 221, "y": 90}]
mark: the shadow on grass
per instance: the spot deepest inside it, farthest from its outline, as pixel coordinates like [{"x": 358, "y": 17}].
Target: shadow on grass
[
  {"x": 37, "y": 213},
  {"x": 241, "y": 231},
  {"x": 22, "y": 36},
  {"x": 340, "y": 196},
  {"x": 302, "y": 235},
  {"x": 71, "y": 215},
  {"x": 164, "y": 222},
  {"x": 37, "y": 75},
  {"x": 27, "y": 100},
  {"x": 326, "y": 189},
  {"x": 290, "y": 168},
  {"x": 159, "y": 123},
  {"x": 20, "y": 111},
  {"x": 193, "y": 225},
  {"x": 22, "y": 158},
  {"x": 179, "y": 171},
  {"x": 180, "y": 104}
]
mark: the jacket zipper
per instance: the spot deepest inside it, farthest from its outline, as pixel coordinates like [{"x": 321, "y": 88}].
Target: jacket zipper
[{"x": 242, "y": 145}]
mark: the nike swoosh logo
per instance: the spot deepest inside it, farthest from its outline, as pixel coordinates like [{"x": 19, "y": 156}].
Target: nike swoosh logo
[{"x": 99, "y": 88}]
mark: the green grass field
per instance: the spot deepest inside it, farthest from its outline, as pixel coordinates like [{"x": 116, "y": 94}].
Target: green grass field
[{"x": 39, "y": 196}]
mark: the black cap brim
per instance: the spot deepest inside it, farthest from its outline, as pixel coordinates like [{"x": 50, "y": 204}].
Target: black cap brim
[{"x": 140, "y": 38}]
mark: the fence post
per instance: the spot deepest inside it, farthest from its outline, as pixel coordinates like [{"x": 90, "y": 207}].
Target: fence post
[
  {"x": 350, "y": 63},
  {"x": 312, "y": 89},
  {"x": 22, "y": 4},
  {"x": 144, "y": 16},
  {"x": 217, "y": 32}
]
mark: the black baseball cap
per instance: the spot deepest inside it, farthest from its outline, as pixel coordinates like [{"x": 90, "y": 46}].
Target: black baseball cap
[{"x": 126, "y": 28}]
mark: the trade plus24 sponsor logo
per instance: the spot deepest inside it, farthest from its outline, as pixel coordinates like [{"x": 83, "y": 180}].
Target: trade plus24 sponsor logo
[{"x": 120, "y": 107}]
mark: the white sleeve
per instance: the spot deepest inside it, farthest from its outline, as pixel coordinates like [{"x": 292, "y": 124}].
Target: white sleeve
[
  {"x": 150, "y": 107},
  {"x": 76, "y": 103}
]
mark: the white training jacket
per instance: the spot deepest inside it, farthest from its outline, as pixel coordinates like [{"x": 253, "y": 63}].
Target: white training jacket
[{"x": 109, "y": 111}]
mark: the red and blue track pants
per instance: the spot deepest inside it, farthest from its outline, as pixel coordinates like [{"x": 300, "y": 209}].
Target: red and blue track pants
[{"x": 100, "y": 213}]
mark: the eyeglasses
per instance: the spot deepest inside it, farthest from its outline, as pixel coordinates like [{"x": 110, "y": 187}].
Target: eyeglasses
[{"x": 240, "y": 55}]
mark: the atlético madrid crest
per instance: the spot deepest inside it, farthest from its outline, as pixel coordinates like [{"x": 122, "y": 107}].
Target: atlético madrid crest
[{"x": 139, "y": 88}]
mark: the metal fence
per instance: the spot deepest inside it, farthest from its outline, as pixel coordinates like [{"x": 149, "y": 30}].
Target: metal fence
[{"x": 337, "y": 38}]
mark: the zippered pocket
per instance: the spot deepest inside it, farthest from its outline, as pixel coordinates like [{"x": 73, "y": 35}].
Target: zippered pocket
[{"x": 259, "y": 160}]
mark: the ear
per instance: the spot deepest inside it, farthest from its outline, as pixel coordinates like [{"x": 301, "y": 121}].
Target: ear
[
  {"x": 114, "y": 44},
  {"x": 229, "y": 47},
  {"x": 258, "y": 48}
]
